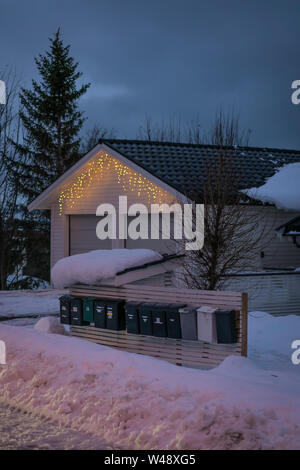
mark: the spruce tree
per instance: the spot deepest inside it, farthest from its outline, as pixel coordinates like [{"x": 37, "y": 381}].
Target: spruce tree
[
  {"x": 51, "y": 119},
  {"x": 51, "y": 122}
]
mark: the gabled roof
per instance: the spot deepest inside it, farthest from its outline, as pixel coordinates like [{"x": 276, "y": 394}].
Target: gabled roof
[
  {"x": 181, "y": 164},
  {"x": 290, "y": 228},
  {"x": 181, "y": 168}
]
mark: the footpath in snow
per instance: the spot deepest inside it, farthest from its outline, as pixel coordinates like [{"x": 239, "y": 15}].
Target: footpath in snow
[
  {"x": 22, "y": 431},
  {"x": 138, "y": 402}
]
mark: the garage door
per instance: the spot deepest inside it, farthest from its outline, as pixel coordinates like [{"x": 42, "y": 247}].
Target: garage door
[
  {"x": 160, "y": 245},
  {"x": 83, "y": 236}
]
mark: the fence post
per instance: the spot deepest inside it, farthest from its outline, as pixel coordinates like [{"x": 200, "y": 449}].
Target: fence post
[{"x": 244, "y": 324}]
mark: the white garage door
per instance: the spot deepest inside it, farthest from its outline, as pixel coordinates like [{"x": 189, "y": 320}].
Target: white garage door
[
  {"x": 83, "y": 236},
  {"x": 160, "y": 245}
]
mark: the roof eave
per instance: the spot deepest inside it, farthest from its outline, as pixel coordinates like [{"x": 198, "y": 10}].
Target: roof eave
[
  {"x": 40, "y": 202},
  {"x": 43, "y": 201}
]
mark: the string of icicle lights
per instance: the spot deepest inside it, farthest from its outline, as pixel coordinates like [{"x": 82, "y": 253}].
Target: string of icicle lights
[{"x": 127, "y": 178}]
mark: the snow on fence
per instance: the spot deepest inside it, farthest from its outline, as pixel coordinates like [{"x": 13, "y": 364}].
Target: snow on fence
[
  {"x": 274, "y": 292},
  {"x": 177, "y": 351}
]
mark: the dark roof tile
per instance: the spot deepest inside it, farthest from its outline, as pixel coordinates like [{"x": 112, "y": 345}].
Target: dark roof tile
[{"x": 179, "y": 164}]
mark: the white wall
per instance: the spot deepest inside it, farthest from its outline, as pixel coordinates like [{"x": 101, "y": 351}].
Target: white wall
[{"x": 278, "y": 253}]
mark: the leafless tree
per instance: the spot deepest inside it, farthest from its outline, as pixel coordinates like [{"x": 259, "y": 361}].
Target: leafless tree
[
  {"x": 165, "y": 131},
  {"x": 234, "y": 234},
  {"x": 226, "y": 126},
  {"x": 11, "y": 239},
  {"x": 93, "y": 135}
]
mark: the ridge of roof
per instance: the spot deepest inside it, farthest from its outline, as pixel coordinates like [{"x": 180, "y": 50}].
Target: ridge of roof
[{"x": 191, "y": 145}]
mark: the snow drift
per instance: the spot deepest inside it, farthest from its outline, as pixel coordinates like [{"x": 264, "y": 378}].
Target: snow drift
[
  {"x": 50, "y": 325},
  {"x": 138, "y": 402},
  {"x": 282, "y": 189},
  {"x": 94, "y": 266},
  {"x": 27, "y": 302}
]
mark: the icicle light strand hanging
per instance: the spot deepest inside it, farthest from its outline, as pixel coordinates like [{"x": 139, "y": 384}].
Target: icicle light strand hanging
[{"x": 128, "y": 179}]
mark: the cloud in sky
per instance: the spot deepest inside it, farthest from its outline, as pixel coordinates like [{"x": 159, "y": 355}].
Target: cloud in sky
[
  {"x": 169, "y": 58},
  {"x": 105, "y": 91}
]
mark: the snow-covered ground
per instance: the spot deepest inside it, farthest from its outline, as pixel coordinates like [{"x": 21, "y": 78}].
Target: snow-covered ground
[{"x": 131, "y": 401}]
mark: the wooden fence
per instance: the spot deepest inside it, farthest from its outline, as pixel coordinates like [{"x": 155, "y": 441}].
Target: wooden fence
[
  {"x": 276, "y": 292},
  {"x": 177, "y": 351}
]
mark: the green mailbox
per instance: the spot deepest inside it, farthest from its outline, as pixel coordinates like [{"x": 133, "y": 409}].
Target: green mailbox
[{"x": 88, "y": 310}]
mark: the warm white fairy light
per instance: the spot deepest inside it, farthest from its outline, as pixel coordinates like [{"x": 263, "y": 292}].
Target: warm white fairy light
[{"x": 126, "y": 177}]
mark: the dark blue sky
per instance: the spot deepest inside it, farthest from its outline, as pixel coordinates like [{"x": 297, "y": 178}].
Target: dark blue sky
[{"x": 170, "y": 59}]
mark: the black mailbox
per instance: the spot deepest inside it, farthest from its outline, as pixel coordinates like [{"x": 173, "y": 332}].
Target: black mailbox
[
  {"x": 115, "y": 315},
  {"x": 159, "y": 320},
  {"x": 65, "y": 309},
  {"x": 173, "y": 321},
  {"x": 76, "y": 311},
  {"x": 132, "y": 317},
  {"x": 226, "y": 329},
  {"x": 100, "y": 313},
  {"x": 145, "y": 317}
]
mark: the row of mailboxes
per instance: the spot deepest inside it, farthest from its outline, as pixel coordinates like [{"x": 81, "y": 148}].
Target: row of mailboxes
[
  {"x": 161, "y": 320},
  {"x": 181, "y": 322},
  {"x": 151, "y": 319},
  {"x": 94, "y": 312}
]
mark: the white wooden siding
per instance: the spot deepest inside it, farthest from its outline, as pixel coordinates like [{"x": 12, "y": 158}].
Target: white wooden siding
[
  {"x": 59, "y": 241},
  {"x": 279, "y": 253},
  {"x": 160, "y": 280}
]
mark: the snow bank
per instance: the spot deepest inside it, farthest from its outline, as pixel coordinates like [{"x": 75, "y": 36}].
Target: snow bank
[
  {"x": 50, "y": 325},
  {"x": 24, "y": 302},
  {"x": 282, "y": 189},
  {"x": 138, "y": 402},
  {"x": 94, "y": 266},
  {"x": 270, "y": 339},
  {"x": 26, "y": 282}
]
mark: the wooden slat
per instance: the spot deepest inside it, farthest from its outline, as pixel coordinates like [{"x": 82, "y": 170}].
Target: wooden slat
[
  {"x": 123, "y": 336},
  {"x": 163, "y": 350},
  {"x": 163, "y": 294},
  {"x": 180, "y": 352},
  {"x": 141, "y": 289},
  {"x": 272, "y": 292},
  {"x": 181, "y": 358}
]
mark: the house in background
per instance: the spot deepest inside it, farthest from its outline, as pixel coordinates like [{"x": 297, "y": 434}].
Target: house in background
[
  {"x": 290, "y": 231},
  {"x": 154, "y": 172}
]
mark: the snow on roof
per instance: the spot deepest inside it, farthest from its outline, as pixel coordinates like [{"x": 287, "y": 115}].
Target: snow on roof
[
  {"x": 281, "y": 189},
  {"x": 96, "y": 265}
]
